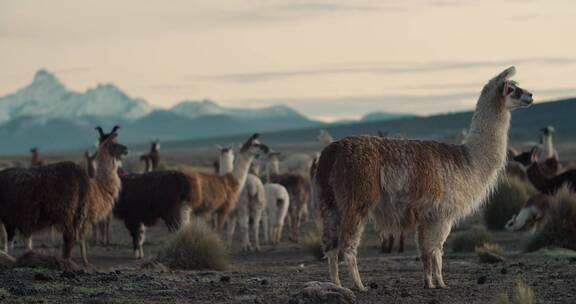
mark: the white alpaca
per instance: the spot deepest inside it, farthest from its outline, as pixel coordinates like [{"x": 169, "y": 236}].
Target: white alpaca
[
  {"x": 422, "y": 184},
  {"x": 251, "y": 205},
  {"x": 277, "y": 203}
]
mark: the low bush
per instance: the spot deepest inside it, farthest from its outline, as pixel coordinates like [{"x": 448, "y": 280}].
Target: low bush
[
  {"x": 468, "y": 240},
  {"x": 522, "y": 294},
  {"x": 508, "y": 198}
]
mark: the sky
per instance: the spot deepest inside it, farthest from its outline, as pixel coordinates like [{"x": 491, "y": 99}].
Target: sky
[{"x": 329, "y": 59}]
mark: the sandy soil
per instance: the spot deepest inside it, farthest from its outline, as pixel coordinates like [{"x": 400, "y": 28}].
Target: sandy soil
[{"x": 273, "y": 275}]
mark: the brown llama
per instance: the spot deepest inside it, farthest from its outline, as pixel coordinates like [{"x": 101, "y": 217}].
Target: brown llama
[
  {"x": 152, "y": 158},
  {"x": 298, "y": 189},
  {"x": 101, "y": 231},
  {"x": 423, "y": 185},
  {"x": 62, "y": 195},
  {"x": 35, "y": 160},
  {"x": 212, "y": 193}
]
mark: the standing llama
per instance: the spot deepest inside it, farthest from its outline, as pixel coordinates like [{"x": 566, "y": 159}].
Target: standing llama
[
  {"x": 152, "y": 158},
  {"x": 35, "y": 160},
  {"x": 213, "y": 193},
  {"x": 62, "y": 195},
  {"x": 250, "y": 206},
  {"x": 548, "y": 150},
  {"x": 427, "y": 185},
  {"x": 101, "y": 231},
  {"x": 298, "y": 188}
]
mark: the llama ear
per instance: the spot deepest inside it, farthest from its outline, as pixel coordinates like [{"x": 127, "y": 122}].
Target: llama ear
[
  {"x": 100, "y": 131},
  {"x": 116, "y": 128},
  {"x": 507, "y": 73}
]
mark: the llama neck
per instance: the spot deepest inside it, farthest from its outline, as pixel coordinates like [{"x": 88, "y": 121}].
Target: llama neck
[
  {"x": 548, "y": 147},
  {"x": 326, "y": 139},
  {"x": 240, "y": 171},
  {"x": 272, "y": 168},
  {"x": 106, "y": 174},
  {"x": 226, "y": 164},
  {"x": 487, "y": 139}
]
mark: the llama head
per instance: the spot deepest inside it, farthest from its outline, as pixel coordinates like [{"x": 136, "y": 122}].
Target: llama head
[
  {"x": 253, "y": 147},
  {"x": 513, "y": 96},
  {"x": 155, "y": 145},
  {"x": 34, "y": 150},
  {"x": 531, "y": 213},
  {"x": 547, "y": 131},
  {"x": 108, "y": 142}
]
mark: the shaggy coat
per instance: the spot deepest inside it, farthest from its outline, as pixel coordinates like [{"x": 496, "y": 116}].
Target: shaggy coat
[
  {"x": 146, "y": 198},
  {"x": 424, "y": 185},
  {"x": 61, "y": 195}
]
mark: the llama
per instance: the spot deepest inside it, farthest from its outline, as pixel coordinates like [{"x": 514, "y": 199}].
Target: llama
[
  {"x": 251, "y": 205},
  {"x": 62, "y": 195},
  {"x": 325, "y": 138},
  {"x": 425, "y": 185},
  {"x": 212, "y": 193},
  {"x": 548, "y": 150},
  {"x": 531, "y": 214},
  {"x": 152, "y": 158},
  {"x": 298, "y": 188},
  {"x": 101, "y": 231},
  {"x": 277, "y": 205},
  {"x": 299, "y": 163},
  {"x": 146, "y": 198},
  {"x": 35, "y": 160},
  {"x": 550, "y": 185}
]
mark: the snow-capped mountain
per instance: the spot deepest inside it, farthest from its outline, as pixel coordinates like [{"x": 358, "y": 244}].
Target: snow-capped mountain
[
  {"x": 195, "y": 109},
  {"x": 47, "y": 98}
]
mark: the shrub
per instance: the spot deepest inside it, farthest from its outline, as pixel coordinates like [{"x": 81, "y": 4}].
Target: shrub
[
  {"x": 510, "y": 195},
  {"x": 468, "y": 240},
  {"x": 490, "y": 253},
  {"x": 559, "y": 226},
  {"x": 195, "y": 247},
  {"x": 311, "y": 243},
  {"x": 522, "y": 294}
]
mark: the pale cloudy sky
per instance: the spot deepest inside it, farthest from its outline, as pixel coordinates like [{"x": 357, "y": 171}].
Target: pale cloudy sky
[{"x": 330, "y": 59}]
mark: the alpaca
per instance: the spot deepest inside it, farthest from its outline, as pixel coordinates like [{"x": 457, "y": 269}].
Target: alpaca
[
  {"x": 548, "y": 150},
  {"x": 62, "y": 195},
  {"x": 35, "y": 161},
  {"x": 146, "y": 198},
  {"x": 101, "y": 231},
  {"x": 152, "y": 158},
  {"x": 212, "y": 193},
  {"x": 277, "y": 204},
  {"x": 531, "y": 214},
  {"x": 250, "y": 206},
  {"x": 298, "y": 188},
  {"x": 425, "y": 185}
]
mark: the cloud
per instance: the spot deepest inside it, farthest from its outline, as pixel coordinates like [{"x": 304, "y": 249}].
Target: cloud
[{"x": 379, "y": 68}]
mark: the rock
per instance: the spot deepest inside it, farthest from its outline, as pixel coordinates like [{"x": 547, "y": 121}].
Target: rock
[
  {"x": 322, "y": 292},
  {"x": 482, "y": 280},
  {"x": 225, "y": 279},
  {"x": 373, "y": 285}
]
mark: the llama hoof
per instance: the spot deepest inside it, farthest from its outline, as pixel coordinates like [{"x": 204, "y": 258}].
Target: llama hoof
[
  {"x": 441, "y": 286},
  {"x": 362, "y": 289}
]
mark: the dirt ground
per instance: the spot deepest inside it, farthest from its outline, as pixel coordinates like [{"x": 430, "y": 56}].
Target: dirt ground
[{"x": 273, "y": 275}]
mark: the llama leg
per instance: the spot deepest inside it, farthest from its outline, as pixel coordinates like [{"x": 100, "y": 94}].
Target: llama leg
[
  {"x": 68, "y": 244},
  {"x": 10, "y": 234},
  {"x": 425, "y": 256},
  {"x": 333, "y": 266},
  {"x": 431, "y": 240},
  {"x": 29, "y": 243},
  {"x": 4, "y": 238},
  {"x": 84, "y": 252},
  {"x": 108, "y": 230},
  {"x": 401, "y": 242},
  {"x": 133, "y": 228},
  {"x": 350, "y": 240},
  {"x": 141, "y": 238},
  {"x": 389, "y": 243},
  {"x": 441, "y": 232},
  {"x": 331, "y": 224},
  {"x": 244, "y": 225},
  {"x": 231, "y": 227},
  {"x": 185, "y": 214},
  {"x": 257, "y": 218},
  {"x": 102, "y": 231},
  {"x": 95, "y": 238},
  {"x": 265, "y": 226}
]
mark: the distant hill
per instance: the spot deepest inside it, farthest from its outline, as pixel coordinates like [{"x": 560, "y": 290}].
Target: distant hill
[
  {"x": 446, "y": 127},
  {"x": 48, "y": 115},
  {"x": 384, "y": 116}
]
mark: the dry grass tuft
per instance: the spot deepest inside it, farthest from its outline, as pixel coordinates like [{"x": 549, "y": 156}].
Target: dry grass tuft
[
  {"x": 508, "y": 198},
  {"x": 522, "y": 294},
  {"x": 490, "y": 253},
  {"x": 195, "y": 247},
  {"x": 559, "y": 227},
  {"x": 468, "y": 240}
]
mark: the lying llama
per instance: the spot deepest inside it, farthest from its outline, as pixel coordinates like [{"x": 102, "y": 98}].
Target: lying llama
[
  {"x": 212, "y": 193},
  {"x": 250, "y": 206},
  {"x": 152, "y": 158},
  {"x": 531, "y": 214},
  {"x": 146, "y": 198},
  {"x": 62, "y": 195},
  {"x": 298, "y": 188},
  {"x": 550, "y": 185},
  {"x": 422, "y": 184}
]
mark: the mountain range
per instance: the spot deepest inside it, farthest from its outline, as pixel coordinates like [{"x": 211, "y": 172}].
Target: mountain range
[{"x": 48, "y": 115}]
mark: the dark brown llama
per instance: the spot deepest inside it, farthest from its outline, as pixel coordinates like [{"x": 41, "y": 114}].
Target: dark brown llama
[
  {"x": 62, "y": 195},
  {"x": 152, "y": 158}
]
